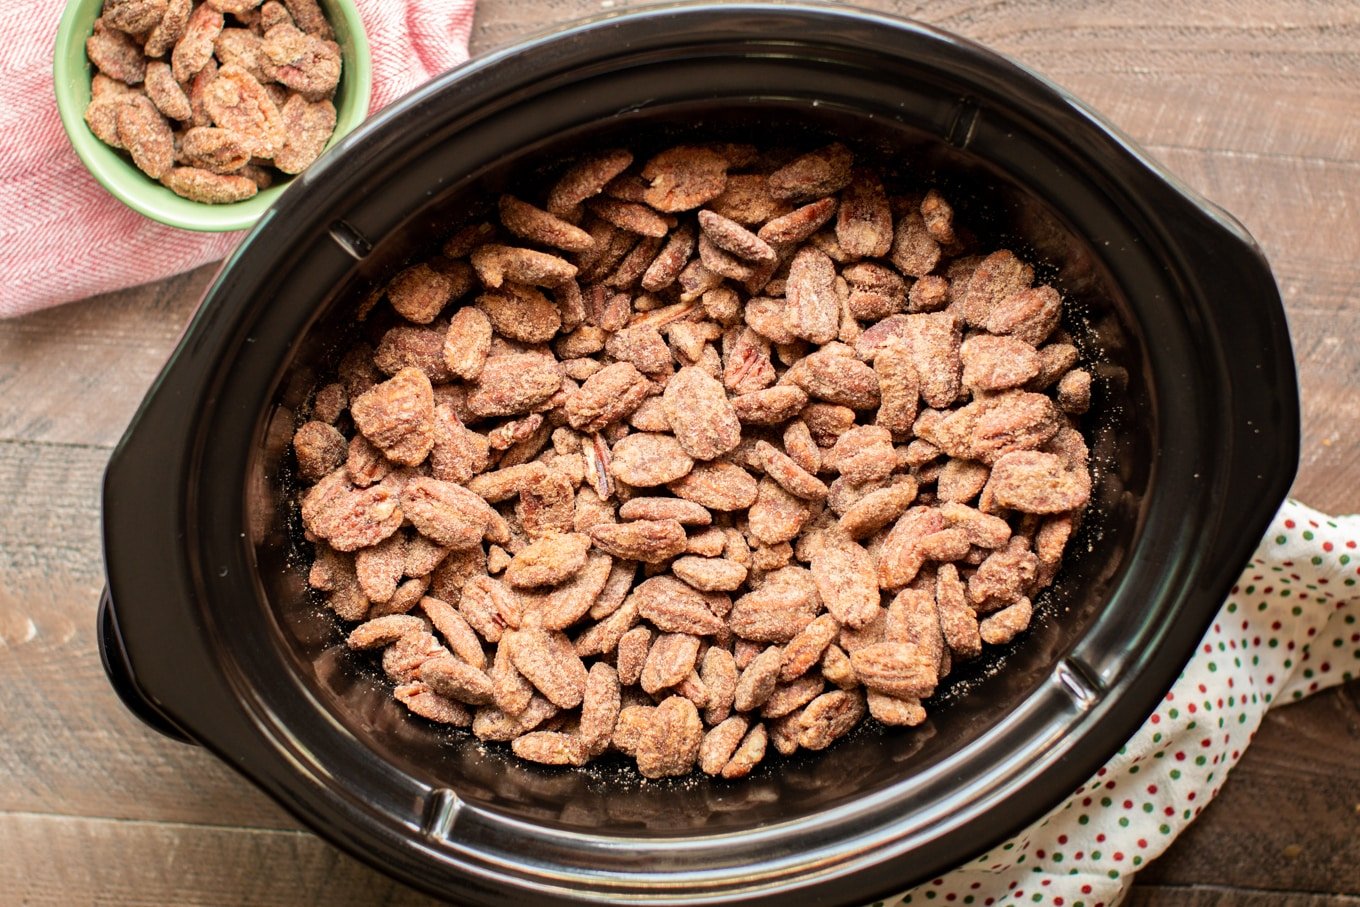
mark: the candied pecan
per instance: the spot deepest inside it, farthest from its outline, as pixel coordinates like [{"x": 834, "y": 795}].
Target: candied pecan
[
  {"x": 983, "y": 530},
  {"x": 458, "y": 453},
  {"x": 776, "y": 516},
  {"x": 304, "y": 63},
  {"x": 828, "y": 421},
  {"x": 958, "y": 620},
  {"x": 668, "y": 263},
  {"x": 455, "y": 679},
  {"x": 847, "y": 581},
  {"x": 632, "y": 649},
  {"x": 993, "y": 363},
  {"x": 207, "y": 187},
  {"x": 996, "y": 277},
  {"x": 146, "y": 136},
  {"x": 684, "y": 177},
  {"x": 813, "y": 175},
  {"x": 877, "y": 509},
  {"x": 863, "y": 454},
  {"x": 607, "y": 396},
  {"x": 897, "y": 668},
  {"x": 669, "y": 661},
  {"x": 778, "y": 610},
  {"x": 864, "y": 225},
  {"x": 722, "y": 262},
  {"x": 513, "y": 384},
  {"x": 828, "y": 717},
  {"x": 928, "y": 294},
  {"x": 307, "y": 127},
  {"x": 794, "y": 479},
  {"x": 422, "y": 701},
  {"x": 492, "y": 723},
  {"x": 721, "y": 743},
  {"x": 700, "y": 414},
  {"x": 1003, "y": 576},
  {"x": 587, "y": 178},
  {"x": 195, "y": 48},
  {"x": 467, "y": 343},
  {"x": 899, "y": 388},
  {"x": 876, "y": 291},
  {"x": 670, "y": 740},
  {"x": 800, "y": 447},
  {"x": 673, "y": 607},
  {"x": 914, "y": 251},
  {"x": 319, "y": 448},
  {"x": 511, "y": 692},
  {"x": 961, "y": 480},
  {"x": 168, "y": 29},
  {"x": 210, "y": 148},
  {"x": 347, "y": 517},
  {"x": 687, "y": 513},
  {"x": 732, "y": 237},
  {"x": 1035, "y": 482},
  {"x": 521, "y": 313},
  {"x": 379, "y": 568},
  {"x": 898, "y": 559},
  {"x": 1030, "y": 315},
  {"x": 496, "y": 264},
  {"x": 710, "y": 574},
  {"x": 836, "y": 668},
  {"x": 599, "y": 708},
  {"x": 1055, "y": 360},
  {"x": 630, "y": 216},
  {"x": 797, "y": 225},
  {"x": 710, "y": 542},
  {"x": 992, "y": 427},
  {"x": 447, "y": 514},
  {"x": 548, "y": 661},
  {"x": 165, "y": 92},
  {"x": 758, "y": 680},
  {"x": 813, "y": 311},
  {"x": 403, "y": 599},
  {"x": 536, "y": 225},
  {"x": 237, "y": 101},
  {"x": 805, "y": 650},
  {"x": 835, "y": 378},
  {"x": 458, "y": 634},
  {"x": 398, "y": 416},
  {"x": 1004, "y": 625},
  {"x": 650, "y": 541},
  {"x": 548, "y": 560},
  {"x": 647, "y": 459},
  {"x": 1074, "y": 392},
  {"x": 551, "y": 748},
  {"x": 746, "y": 367},
  {"x": 746, "y": 199},
  {"x": 383, "y": 631}
]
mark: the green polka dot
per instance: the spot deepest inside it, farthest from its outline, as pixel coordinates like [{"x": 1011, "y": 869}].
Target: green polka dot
[
  {"x": 1137, "y": 861},
  {"x": 1174, "y": 714},
  {"x": 1317, "y": 561},
  {"x": 1113, "y": 874},
  {"x": 1281, "y": 539},
  {"x": 1212, "y": 667},
  {"x": 1083, "y": 819},
  {"x": 1232, "y": 607},
  {"x": 1105, "y": 802},
  {"x": 1095, "y": 855},
  {"x": 1147, "y": 807},
  {"x": 1133, "y": 769},
  {"x": 1296, "y": 611},
  {"x": 1200, "y": 760},
  {"x": 1123, "y": 822},
  {"x": 1164, "y": 829},
  {"x": 1175, "y": 774},
  {"x": 1307, "y": 535}
]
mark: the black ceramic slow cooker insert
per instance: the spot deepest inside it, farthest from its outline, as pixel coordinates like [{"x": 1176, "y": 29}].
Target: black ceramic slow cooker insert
[{"x": 211, "y": 635}]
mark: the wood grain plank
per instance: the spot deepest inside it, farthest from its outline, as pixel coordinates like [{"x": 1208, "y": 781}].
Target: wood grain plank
[
  {"x": 1219, "y": 896},
  {"x": 1289, "y": 815},
  {"x": 68, "y": 745},
  {"x": 60, "y": 861}
]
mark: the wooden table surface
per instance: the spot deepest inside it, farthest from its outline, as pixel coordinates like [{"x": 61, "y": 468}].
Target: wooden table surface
[{"x": 1255, "y": 103}]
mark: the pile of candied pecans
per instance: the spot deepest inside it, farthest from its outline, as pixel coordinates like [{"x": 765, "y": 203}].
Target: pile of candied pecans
[
  {"x": 725, "y": 451},
  {"x": 211, "y": 106}
]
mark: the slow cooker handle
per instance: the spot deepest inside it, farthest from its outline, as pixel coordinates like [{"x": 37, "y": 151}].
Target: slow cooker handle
[{"x": 119, "y": 671}]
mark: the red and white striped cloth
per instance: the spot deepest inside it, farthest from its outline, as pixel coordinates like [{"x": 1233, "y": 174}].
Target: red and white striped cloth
[{"x": 63, "y": 237}]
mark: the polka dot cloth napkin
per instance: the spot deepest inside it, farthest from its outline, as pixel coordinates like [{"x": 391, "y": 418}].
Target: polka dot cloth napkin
[{"x": 1290, "y": 627}]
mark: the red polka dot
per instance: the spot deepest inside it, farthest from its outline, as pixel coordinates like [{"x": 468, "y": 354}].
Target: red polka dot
[
  {"x": 1152, "y": 788},
  {"x": 1118, "y": 855},
  {"x": 1190, "y": 796},
  {"x": 1142, "y": 842},
  {"x": 1180, "y": 757},
  {"x": 1169, "y": 811},
  {"x": 1062, "y": 839},
  {"x": 1156, "y": 719},
  {"x": 1350, "y": 544},
  {"x": 975, "y": 886},
  {"x": 1327, "y": 546},
  {"x": 1100, "y": 839},
  {"x": 1191, "y": 708},
  {"x": 1128, "y": 804},
  {"x": 1289, "y": 524},
  {"x": 1039, "y": 854},
  {"x": 1086, "y": 889},
  {"x": 937, "y": 882},
  {"x": 1170, "y": 697},
  {"x": 1203, "y": 688}
]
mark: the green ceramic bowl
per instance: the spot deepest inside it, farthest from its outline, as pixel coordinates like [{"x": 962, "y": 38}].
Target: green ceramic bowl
[{"x": 72, "y": 73}]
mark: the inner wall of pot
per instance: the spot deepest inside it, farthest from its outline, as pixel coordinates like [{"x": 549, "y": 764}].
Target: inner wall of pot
[{"x": 610, "y": 795}]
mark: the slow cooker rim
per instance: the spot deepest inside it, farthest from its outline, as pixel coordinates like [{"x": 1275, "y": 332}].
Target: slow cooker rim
[{"x": 198, "y": 329}]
